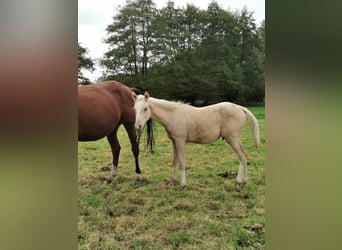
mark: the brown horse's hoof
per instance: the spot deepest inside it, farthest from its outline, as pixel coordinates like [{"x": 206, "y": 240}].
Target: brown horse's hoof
[
  {"x": 105, "y": 168},
  {"x": 137, "y": 182},
  {"x": 109, "y": 181},
  {"x": 182, "y": 187}
]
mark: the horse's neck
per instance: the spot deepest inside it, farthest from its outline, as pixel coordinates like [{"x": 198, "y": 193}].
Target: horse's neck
[{"x": 161, "y": 109}]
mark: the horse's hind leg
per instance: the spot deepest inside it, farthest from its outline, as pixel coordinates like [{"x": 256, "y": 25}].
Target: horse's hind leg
[
  {"x": 241, "y": 178},
  {"x": 135, "y": 149},
  {"x": 174, "y": 162},
  {"x": 115, "y": 147}
]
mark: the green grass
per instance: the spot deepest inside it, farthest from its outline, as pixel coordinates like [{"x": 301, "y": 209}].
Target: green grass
[{"x": 207, "y": 214}]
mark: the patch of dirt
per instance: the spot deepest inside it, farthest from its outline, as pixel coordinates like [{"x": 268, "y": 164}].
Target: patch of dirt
[
  {"x": 255, "y": 228},
  {"x": 228, "y": 175},
  {"x": 103, "y": 178},
  {"x": 105, "y": 168},
  {"x": 184, "y": 205},
  {"x": 214, "y": 205}
]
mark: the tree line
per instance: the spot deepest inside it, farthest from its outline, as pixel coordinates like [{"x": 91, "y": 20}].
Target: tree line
[{"x": 198, "y": 56}]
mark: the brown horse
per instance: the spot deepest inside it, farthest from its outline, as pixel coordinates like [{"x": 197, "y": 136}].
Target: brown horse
[{"x": 102, "y": 108}]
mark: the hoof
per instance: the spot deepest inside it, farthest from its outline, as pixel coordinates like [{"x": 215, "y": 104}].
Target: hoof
[
  {"x": 182, "y": 186},
  {"x": 109, "y": 181},
  {"x": 172, "y": 183},
  {"x": 137, "y": 179},
  {"x": 137, "y": 182},
  {"x": 105, "y": 168},
  {"x": 238, "y": 187}
]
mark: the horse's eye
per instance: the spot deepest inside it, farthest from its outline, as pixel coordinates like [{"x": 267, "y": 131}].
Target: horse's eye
[{"x": 145, "y": 109}]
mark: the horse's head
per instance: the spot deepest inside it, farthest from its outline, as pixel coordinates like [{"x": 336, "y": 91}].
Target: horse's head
[{"x": 142, "y": 110}]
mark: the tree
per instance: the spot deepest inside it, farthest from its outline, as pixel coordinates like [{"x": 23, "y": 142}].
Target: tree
[
  {"x": 250, "y": 58},
  {"x": 215, "y": 58},
  {"x": 198, "y": 56},
  {"x": 261, "y": 38},
  {"x": 166, "y": 28},
  {"x": 84, "y": 62},
  {"x": 129, "y": 38}
]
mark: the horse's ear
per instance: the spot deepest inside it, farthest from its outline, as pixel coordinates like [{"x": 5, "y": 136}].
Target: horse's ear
[
  {"x": 134, "y": 95},
  {"x": 146, "y": 94}
]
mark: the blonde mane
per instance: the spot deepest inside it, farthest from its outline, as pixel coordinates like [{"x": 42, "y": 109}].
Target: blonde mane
[{"x": 169, "y": 105}]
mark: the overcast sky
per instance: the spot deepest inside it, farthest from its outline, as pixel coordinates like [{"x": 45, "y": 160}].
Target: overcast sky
[{"x": 94, "y": 16}]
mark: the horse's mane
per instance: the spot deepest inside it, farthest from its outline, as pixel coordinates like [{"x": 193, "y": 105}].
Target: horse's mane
[{"x": 169, "y": 105}]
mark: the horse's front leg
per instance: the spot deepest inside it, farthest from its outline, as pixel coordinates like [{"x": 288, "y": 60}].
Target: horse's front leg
[
  {"x": 115, "y": 147},
  {"x": 174, "y": 162},
  {"x": 135, "y": 150},
  {"x": 180, "y": 145}
]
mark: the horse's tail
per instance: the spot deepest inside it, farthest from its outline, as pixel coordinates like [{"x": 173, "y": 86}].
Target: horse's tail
[
  {"x": 254, "y": 125},
  {"x": 150, "y": 137}
]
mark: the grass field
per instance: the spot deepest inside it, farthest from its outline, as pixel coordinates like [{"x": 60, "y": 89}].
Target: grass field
[{"x": 207, "y": 214}]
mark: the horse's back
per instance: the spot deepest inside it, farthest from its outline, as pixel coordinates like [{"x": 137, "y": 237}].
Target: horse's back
[
  {"x": 233, "y": 119},
  {"x": 215, "y": 113},
  {"x": 100, "y": 109},
  {"x": 207, "y": 124}
]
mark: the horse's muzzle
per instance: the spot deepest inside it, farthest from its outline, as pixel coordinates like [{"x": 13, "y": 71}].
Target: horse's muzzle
[{"x": 138, "y": 127}]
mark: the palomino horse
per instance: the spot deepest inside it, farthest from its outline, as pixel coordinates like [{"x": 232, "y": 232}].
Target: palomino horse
[
  {"x": 102, "y": 108},
  {"x": 184, "y": 123}
]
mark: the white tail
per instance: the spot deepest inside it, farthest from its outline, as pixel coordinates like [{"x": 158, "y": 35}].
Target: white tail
[{"x": 253, "y": 123}]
